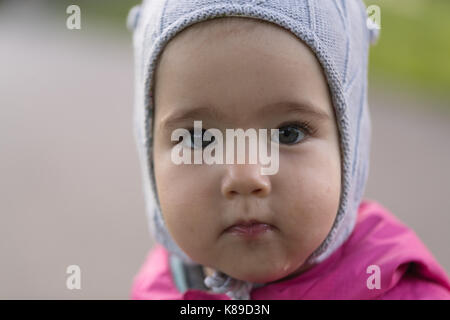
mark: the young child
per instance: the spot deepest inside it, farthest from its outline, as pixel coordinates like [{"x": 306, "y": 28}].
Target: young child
[{"x": 226, "y": 231}]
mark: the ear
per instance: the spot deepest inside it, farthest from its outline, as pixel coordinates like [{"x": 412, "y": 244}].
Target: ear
[{"x": 133, "y": 17}]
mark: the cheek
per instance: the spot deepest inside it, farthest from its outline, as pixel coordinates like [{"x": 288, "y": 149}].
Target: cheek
[
  {"x": 310, "y": 186},
  {"x": 186, "y": 204}
]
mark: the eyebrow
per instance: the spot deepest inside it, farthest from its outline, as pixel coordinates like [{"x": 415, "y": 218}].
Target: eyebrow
[{"x": 177, "y": 117}]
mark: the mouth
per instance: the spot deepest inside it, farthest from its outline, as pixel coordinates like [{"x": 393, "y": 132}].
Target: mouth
[{"x": 249, "y": 229}]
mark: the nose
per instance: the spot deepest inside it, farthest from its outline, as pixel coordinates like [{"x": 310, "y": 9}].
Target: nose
[{"x": 245, "y": 180}]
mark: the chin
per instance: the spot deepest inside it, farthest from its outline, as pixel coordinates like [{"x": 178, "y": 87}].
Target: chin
[{"x": 269, "y": 275}]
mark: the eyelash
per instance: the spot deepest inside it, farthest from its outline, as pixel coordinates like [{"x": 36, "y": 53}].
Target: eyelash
[
  {"x": 309, "y": 130},
  {"x": 305, "y": 125}
]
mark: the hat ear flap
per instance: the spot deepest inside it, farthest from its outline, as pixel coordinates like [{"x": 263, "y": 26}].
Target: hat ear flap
[{"x": 133, "y": 17}]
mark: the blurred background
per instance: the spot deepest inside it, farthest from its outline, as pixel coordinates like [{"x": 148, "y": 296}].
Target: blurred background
[{"x": 70, "y": 184}]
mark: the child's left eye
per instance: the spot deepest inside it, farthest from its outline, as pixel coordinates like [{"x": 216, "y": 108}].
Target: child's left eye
[{"x": 291, "y": 134}]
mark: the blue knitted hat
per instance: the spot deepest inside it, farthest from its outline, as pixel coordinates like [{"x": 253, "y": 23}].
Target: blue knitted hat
[{"x": 335, "y": 30}]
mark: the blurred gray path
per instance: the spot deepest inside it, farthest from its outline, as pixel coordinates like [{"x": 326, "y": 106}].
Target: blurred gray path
[{"x": 70, "y": 187}]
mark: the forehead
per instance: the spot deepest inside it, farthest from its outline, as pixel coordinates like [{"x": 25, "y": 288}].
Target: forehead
[
  {"x": 232, "y": 32},
  {"x": 236, "y": 64}
]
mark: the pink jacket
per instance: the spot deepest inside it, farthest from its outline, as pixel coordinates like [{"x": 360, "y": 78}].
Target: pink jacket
[{"x": 379, "y": 242}]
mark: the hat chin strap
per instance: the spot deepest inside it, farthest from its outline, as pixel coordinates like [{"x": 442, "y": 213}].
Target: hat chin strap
[{"x": 236, "y": 289}]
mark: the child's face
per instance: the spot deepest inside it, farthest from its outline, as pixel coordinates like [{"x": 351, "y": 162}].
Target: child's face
[{"x": 237, "y": 75}]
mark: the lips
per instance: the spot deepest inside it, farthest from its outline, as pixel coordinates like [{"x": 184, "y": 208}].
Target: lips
[{"x": 252, "y": 228}]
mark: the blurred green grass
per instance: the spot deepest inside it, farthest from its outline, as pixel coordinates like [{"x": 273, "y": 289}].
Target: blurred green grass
[
  {"x": 414, "y": 45},
  {"x": 113, "y": 11},
  {"x": 413, "y": 51}
]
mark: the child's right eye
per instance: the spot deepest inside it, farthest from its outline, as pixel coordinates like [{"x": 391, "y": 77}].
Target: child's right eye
[{"x": 192, "y": 140}]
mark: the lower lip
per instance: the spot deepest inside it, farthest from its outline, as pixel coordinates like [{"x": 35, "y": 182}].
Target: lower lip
[{"x": 250, "y": 231}]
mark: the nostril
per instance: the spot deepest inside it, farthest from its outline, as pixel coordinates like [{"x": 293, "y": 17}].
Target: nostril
[
  {"x": 254, "y": 192},
  {"x": 257, "y": 191}
]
